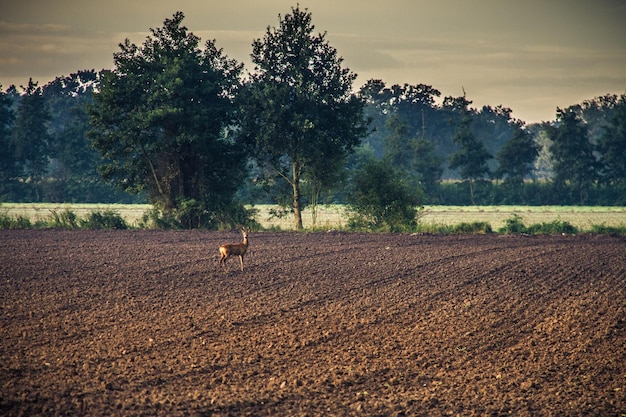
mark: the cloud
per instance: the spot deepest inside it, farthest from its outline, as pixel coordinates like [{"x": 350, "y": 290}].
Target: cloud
[
  {"x": 43, "y": 52},
  {"x": 9, "y": 28},
  {"x": 501, "y": 52}
]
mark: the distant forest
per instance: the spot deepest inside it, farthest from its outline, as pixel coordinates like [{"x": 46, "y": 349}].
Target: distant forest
[{"x": 46, "y": 156}]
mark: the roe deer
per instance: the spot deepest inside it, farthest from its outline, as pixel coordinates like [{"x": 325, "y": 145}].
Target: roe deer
[{"x": 234, "y": 249}]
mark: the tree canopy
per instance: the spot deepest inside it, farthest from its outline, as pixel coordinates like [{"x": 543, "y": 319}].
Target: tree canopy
[
  {"x": 162, "y": 121},
  {"x": 516, "y": 156},
  {"x": 471, "y": 158},
  {"x": 8, "y": 164},
  {"x": 612, "y": 145},
  {"x": 31, "y": 139},
  {"x": 414, "y": 155},
  {"x": 299, "y": 112},
  {"x": 572, "y": 152}
]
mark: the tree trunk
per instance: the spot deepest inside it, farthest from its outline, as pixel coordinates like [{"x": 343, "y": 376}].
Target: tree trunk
[
  {"x": 297, "y": 212},
  {"x": 471, "y": 185},
  {"x": 164, "y": 200}
]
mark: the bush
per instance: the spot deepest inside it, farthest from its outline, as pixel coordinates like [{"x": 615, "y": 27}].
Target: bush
[
  {"x": 157, "y": 219},
  {"x": 555, "y": 227},
  {"x": 66, "y": 219},
  {"x": 236, "y": 216},
  {"x": 381, "y": 198},
  {"x": 608, "y": 230},
  {"x": 513, "y": 225},
  {"x": 108, "y": 219},
  {"x": 476, "y": 228},
  {"x": 193, "y": 215},
  {"x": 19, "y": 222}
]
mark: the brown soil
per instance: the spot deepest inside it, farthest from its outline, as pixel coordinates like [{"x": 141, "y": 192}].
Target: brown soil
[{"x": 145, "y": 323}]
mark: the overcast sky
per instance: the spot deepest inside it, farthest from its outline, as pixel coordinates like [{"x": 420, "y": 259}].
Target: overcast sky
[{"x": 529, "y": 55}]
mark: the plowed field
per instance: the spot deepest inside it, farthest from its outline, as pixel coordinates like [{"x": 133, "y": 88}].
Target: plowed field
[{"x": 145, "y": 323}]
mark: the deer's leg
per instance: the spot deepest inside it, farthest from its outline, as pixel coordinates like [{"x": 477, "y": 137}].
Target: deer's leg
[
  {"x": 223, "y": 262},
  {"x": 241, "y": 261}
]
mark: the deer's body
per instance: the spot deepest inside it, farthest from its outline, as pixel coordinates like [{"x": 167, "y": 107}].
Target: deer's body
[{"x": 234, "y": 249}]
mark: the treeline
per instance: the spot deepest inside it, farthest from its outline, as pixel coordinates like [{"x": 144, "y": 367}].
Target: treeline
[
  {"x": 462, "y": 155},
  {"x": 45, "y": 154},
  {"x": 183, "y": 128}
]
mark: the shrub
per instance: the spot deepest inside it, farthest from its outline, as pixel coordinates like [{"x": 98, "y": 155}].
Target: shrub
[
  {"x": 432, "y": 228},
  {"x": 513, "y": 225},
  {"x": 381, "y": 198},
  {"x": 609, "y": 230},
  {"x": 555, "y": 227},
  {"x": 108, "y": 219},
  {"x": 192, "y": 215},
  {"x": 477, "y": 228},
  {"x": 19, "y": 222},
  {"x": 156, "y": 219},
  {"x": 236, "y": 216},
  {"x": 66, "y": 219}
]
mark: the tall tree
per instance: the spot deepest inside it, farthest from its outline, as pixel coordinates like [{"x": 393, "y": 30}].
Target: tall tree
[
  {"x": 398, "y": 141},
  {"x": 30, "y": 135},
  {"x": 413, "y": 104},
  {"x": 74, "y": 163},
  {"x": 426, "y": 165},
  {"x": 494, "y": 126},
  {"x": 516, "y": 157},
  {"x": 612, "y": 145},
  {"x": 573, "y": 153},
  {"x": 162, "y": 120},
  {"x": 415, "y": 155},
  {"x": 299, "y": 110},
  {"x": 471, "y": 157},
  {"x": 7, "y": 154}
]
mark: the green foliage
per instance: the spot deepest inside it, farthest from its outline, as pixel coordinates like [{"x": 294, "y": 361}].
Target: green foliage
[
  {"x": 108, "y": 219},
  {"x": 56, "y": 113},
  {"x": 608, "y": 230},
  {"x": 72, "y": 170},
  {"x": 471, "y": 157},
  {"x": 66, "y": 219},
  {"x": 494, "y": 126},
  {"x": 157, "y": 219},
  {"x": 430, "y": 228},
  {"x": 162, "y": 121},
  {"x": 415, "y": 156},
  {"x": 30, "y": 137},
  {"x": 19, "y": 222},
  {"x": 573, "y": 153},
  {"x": 554, "y": 227},
  {"x": 8, "y": 163},
  {"x": 612, "y": 145},
  {"x": 475, "y": 228},
  {"x": 380, "y": 198},
  {"x": 516, "y": 157},
  {"x": 515, "y": 225},
  {"x": 191, "y": 215},
  {"x": 299, "y": 112},
  {"x": 412, "y": 104},
  {"x": 166, "y": 124}
]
